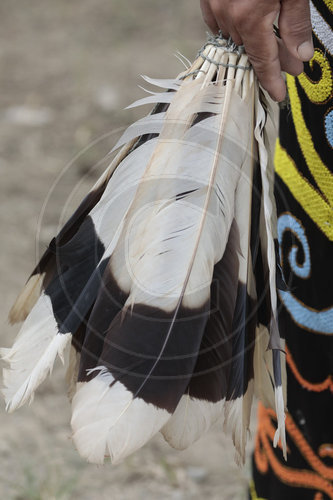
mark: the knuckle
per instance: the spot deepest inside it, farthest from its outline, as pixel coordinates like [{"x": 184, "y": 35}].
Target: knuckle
[
  {"x": 298, "y": 28},
  {"x": 241, "y": 18},
  {"x": 262, "y": 64},
  {"x": 218, "y": 8},
  {"x": 246, "y": 16}
]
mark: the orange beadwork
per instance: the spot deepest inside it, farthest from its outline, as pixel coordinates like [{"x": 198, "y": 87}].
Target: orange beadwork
[
  {"x": 326, "y": 450},
  {"x": 318, "y": 478},
  {"x": 316, "y": 387}
]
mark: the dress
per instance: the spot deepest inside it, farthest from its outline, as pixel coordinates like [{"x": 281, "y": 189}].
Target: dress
[{"x": 304, "y": 195}]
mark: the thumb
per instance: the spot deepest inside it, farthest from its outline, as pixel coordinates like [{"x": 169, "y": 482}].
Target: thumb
[
  {"x": 208, "y": 16},
  {"x": 295, "y": 28}
]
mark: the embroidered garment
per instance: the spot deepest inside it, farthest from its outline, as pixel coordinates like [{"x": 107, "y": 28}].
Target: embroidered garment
[{"x": 304, "y": 194}]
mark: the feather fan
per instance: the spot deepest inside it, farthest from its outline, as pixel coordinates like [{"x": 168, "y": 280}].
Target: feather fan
[{"x": 163, "y": 280}]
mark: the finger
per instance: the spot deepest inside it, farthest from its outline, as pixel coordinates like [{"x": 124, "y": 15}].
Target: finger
[
  {"x": 262, "y": 48},
  {"x": 295, "y": 28},
  {"x": 208, "y": 16},
  {"x": 224, "y": 22},
  {"x": 289, "y": 63},
  {"x": 235, "y": 36}
]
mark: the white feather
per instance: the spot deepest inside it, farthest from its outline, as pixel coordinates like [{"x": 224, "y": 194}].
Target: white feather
[
  {"x": 263, "y": 373},
  {"x": 268, "y": 206},
  {"x": 264, "y": 378},
  {"x": 192, "y": 418},
  {"x": 33, "y": 354},
  {"x": 202, "y": 229},
  {"x": 98, "y": 427},
  {"x": 160, "y": 97},
  {"x": 72, "y": 371},
  {"x": 32, "y": 290},
  {"x": 237, "y": 421},
  {"x": 27, "y": 298},
  {"x": 164, "y": 83},
  {"x": 142, "y": 224},
  {"x": 151, "y": 124},
  {"x": 38, "y": 341},
  {"x": 266, "y": 150},
  {"x": 280, "y": 433}
]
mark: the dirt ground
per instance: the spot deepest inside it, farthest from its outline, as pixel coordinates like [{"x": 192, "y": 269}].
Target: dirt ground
[{"x": 68, "y": 68}]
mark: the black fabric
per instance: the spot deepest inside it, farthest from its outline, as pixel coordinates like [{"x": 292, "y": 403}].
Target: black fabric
[{"x": 306, "y": 306}]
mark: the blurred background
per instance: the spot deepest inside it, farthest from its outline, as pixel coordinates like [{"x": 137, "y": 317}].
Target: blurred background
[{"x": 68, "y": 68}]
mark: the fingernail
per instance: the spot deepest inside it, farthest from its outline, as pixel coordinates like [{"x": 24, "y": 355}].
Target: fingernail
[{"x": 305, "y": 51}]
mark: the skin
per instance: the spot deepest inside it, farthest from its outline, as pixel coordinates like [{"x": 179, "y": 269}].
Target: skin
[{"x": 250, "y": 23}]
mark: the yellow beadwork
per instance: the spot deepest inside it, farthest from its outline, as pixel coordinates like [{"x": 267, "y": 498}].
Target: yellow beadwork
[
  {"x": 329, "y": 4},
  {"x": 321, "y": 174},
  {"x": 307, "y": 196},
  {"x": 318, "y": 91},
  {"x": 253, "y": 492}
]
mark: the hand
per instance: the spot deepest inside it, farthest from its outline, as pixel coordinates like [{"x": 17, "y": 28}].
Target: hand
[{"x": 250, "y": 23}]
